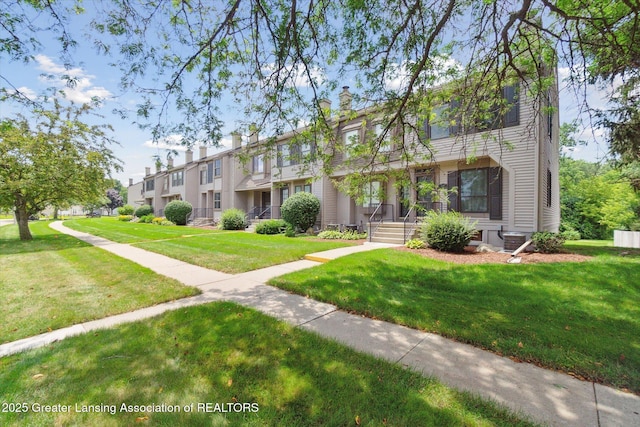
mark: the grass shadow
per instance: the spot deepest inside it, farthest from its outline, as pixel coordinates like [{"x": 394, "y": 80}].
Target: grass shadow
[
  {"x": 226, "y": 354},
  {"x": 44, "y": 239},
  {"x": 576, "y": 317}
]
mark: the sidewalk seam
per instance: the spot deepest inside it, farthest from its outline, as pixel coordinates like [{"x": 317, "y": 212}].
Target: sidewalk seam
[
  {"x": 318, "y": 317},
  {"x": 411, "y": 349}
]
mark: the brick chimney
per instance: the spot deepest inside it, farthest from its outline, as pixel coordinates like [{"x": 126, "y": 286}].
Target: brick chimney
[
  {"x": 253, "y": 133},
  {"x": 147, "y": 171},
  {"x": 236, "y": 140},
  {"x": 325, "y": 106},
  {"x": 345, "y": 100}
]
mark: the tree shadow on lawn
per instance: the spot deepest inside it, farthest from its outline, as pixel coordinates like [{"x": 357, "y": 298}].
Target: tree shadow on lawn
[
  {"x": 576, "y": 317},
  {"x": 44, "y": 239},
  {"x": 223, "y": 353}
]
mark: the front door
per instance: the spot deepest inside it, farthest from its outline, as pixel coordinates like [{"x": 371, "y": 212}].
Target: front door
[
  {"x": 405, "y": 201},
  {"x": 266, "y": 202}
]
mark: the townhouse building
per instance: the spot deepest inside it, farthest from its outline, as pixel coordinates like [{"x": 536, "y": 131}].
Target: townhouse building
[{"x": 510, "y": 187}]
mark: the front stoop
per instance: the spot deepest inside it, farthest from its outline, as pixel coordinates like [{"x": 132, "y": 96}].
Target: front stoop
[{"x": 392, "y": 232}]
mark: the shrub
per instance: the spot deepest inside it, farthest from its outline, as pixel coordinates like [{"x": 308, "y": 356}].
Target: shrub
[
  {"x": 271, "y": 226},
  {"x": 290, "y": 231},
  {"x": 126, "y": 210},
  {"x": 344, "y": 235},
  {"x": 353, "y": 235},
  {"x": 125, "y": 218},
  {"x": 144, "y": 210},
  {"x": 547, "y": 242},
  {"x": 301, "y": 210},
  {"x": 330, "y": 234},
  {"x": 448, "y": 232},
  {"x": 177, "y": 211},
  {"x": 570, "y": 235},
  {"x": 415, "y": 244},
  {"x": 158, "y": 220},
  {"x": 146, "y": 219},
  {"x": 233, "y": 219}
]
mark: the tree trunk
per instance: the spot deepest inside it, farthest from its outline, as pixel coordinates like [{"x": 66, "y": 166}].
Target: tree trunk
[
  {"x": 55, "y": 212},
  {"x": 22, "y": 217}
]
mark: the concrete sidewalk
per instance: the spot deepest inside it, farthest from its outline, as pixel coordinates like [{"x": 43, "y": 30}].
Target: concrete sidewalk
[{"x": 546, "y": 396}]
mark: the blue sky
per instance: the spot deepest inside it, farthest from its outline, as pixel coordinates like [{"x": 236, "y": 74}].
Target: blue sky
[{"x": 96, "y": 78}]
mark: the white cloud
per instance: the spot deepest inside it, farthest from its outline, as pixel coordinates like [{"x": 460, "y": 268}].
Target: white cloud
[
  {"x": 26, "y": 92},
  {"x": 82, "y": 90},
  {"x": 171, "y": 142}
]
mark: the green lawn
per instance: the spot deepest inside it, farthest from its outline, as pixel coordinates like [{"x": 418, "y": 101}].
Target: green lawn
[
  {"x": 582, "y": 318},
  {"x": 56, "y": 280},
  {"x": 226, "y": 251},
  {"x": 225, "y": 354}
]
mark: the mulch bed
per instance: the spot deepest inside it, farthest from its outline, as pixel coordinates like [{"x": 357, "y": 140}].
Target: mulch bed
[{"x": 470, "y": 256}]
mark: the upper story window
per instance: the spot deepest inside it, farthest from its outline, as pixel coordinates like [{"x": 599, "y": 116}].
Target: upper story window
[
  {"x": 209, "y": 172},
  {"x": 258, "y": 164},
  {"x": 203, "y": 176},
  {"x": 149, "y": 185},
  {"x": 385, "y": 143},
  {"x": 294, "y": 154},
  {"x": 177, "y": 178},
  {"x": 351, "y": 139},
  {"x": 284, "y": 156},
  {"x": 445, "y": 120},
  {"x": 217, "y": 167}
]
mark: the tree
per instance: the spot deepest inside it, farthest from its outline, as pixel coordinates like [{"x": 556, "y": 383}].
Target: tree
[
  {"x": 114, "y": 200},
  {"x": 56, "y": 160},
  {"x": 281, "y": 59}
]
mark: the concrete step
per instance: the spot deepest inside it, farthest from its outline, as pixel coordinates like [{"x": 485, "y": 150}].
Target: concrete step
[{"x": 391, "y": 240}]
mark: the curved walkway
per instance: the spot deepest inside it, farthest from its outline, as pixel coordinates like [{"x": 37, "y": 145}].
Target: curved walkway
[{"x": 546, "y": 396}]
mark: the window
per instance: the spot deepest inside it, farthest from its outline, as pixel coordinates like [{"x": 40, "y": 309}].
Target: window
[
  {"x": 445, "y": 119},
  {"x": 549, "y": 116},
  {"x": 149, "y": 185},
  {"x": 203, "y": 176},
  {"x": 165, "y": 183},
  {"x": 284, "y": 194},
  {"x": 284, "y": 158},
  {"x": 289, "y": 155},
  {"x": 438, "y": 125},
  {"x": 512, "y": 116},
  {"x": 217, "y": 199},
  {"x": 372, "y": 194},
  {"x": 479, "y": 190},
  {"x": 351, "y": 139},
  {"x": 209, "y": 172},
  {"x": 549, "y": 194},
  {"x": 302, "y": 188},
  {"x": 424, "y": 188},
  {"x": 177, "y": 179},
  {"x": 217, "y": 167},
  {"x": 474, "y": 190},
  {"x": 385, "y": 144},
  {"x": 258, "y": 164}
]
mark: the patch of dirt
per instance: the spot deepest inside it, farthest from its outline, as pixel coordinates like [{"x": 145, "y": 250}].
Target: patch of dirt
[{"x": 470, "y": 256}]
